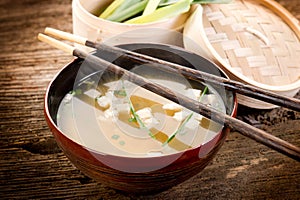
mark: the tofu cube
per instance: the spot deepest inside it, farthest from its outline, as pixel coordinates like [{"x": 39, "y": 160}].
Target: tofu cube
[{"x": 172, "y": 108}]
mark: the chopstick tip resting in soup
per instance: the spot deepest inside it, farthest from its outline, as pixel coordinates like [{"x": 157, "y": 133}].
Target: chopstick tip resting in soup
[{"x": 120, "y": 118}]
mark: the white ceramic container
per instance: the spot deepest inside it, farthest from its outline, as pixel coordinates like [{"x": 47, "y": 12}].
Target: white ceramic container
[{"x": 86, "y": 23}]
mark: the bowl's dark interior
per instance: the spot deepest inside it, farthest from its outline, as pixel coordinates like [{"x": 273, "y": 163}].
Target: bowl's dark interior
[{"x": 74, "y": 72}]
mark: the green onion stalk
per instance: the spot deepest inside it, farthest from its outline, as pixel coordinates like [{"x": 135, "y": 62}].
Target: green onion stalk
[
  {"x": 146, "y": 11},
  {"x": 186, "y": 120},
  {"x": 135, "y": 116}
]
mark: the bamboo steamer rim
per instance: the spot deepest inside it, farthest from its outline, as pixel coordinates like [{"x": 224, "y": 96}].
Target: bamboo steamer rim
[{"x": 276, "y": 9}]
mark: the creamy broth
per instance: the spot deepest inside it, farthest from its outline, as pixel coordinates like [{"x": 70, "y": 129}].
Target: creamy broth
[{"x": 100, "y": 118}]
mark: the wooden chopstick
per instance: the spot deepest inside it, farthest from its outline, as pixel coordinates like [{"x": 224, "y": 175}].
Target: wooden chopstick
[
  {"x": 192, "y": 74},
  {"x": 196, "y": 106}
]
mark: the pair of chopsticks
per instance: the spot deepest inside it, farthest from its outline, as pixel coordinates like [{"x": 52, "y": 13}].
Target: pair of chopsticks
[
  {"x": 231, "y": 122},
  {"x": 189, "y": 73}
]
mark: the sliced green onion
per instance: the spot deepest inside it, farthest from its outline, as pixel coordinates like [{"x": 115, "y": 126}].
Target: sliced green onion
[
  {"x": 136, "y": 117},
  {"x": 76, "y": 92},
  {"x": 180, "y": 128},
  {"x": 177, "y": 8},
  {"x": 111, "y": 8},
  {"x": 203, "y": 93},
  {"x": 186, "y": 120},
  {"x": 120, "y": 93}
]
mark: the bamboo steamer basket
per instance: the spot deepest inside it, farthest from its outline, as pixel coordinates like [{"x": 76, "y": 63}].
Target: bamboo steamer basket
[{"x": 254, "y": 41}]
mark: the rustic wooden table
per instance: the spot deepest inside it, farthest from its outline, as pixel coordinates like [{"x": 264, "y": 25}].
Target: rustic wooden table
[{"x": 33, "y": 167}]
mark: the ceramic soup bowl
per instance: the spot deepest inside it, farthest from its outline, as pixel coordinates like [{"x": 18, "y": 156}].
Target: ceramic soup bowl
[{"x": 131, "y": 172}]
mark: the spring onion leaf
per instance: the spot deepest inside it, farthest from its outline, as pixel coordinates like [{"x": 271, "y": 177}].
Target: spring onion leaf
[
  {"x": 211, "y": 1},
  {"x": 165, "y": 12},
  {"x": 167, "y": 2},
  {"x": 128, "y": 12},
  {"x": 126, "y": 4},
  {"x": 151, "y": 10},
  {"x": 151, "y": 7},
  {"x": 111, "y": 8}
]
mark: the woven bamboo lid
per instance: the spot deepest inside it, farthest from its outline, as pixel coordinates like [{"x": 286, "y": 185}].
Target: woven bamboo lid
[{"x": 254, "y": 41}]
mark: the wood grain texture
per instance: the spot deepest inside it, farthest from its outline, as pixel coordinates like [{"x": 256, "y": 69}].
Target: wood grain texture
[{"x": 33, "y": 167}]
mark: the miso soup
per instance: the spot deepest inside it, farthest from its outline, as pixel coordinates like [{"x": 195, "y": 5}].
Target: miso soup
[{"x": 120, "y": 118}]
